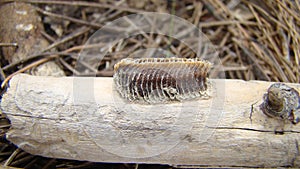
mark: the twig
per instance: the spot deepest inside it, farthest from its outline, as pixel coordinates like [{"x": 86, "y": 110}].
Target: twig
[
  {"x": 29, "y": 165},
  {"x": 8, "y": 44},
  {"x": 83, "y": 165},
  {"x": 246, "y": 51},
  {"x": 27, "y": 68},
  {"x": 80, "y": 3},
  {"x": 35, "y": 56},
  {"x": 47, "y": 36},
  {"x": 86, "y": 46},
  {"x": 289, "y": 11},
  {"x": 79, "y": 21},
  {"x": 22, "y": 160},
  {"x": 11, "y": 157},
  {"x": 2, "y": 74},
  {"x": 222, "y": 23},
  {"x": 48, "y": 164},
  {"x": 266, "y": 14},
  {"x": 73, "y": 35},
  {"x": 74, "y": 71}
]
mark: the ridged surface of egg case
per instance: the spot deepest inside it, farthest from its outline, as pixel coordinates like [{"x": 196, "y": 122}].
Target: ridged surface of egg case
[{"x": 159, "y": 80}]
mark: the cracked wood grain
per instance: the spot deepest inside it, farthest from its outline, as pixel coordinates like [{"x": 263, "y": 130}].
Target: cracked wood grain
[{"x": 86, "y": 119}]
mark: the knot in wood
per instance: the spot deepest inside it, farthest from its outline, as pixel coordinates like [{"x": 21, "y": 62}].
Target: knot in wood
[{"x": 283, "y": 102}]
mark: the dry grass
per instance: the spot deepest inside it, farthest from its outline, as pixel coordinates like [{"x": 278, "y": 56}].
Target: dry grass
[{"x": 256, "y": 40}]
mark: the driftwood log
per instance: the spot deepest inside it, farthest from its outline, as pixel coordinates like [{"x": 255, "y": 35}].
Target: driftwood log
[{"x": 85, "y": 119}]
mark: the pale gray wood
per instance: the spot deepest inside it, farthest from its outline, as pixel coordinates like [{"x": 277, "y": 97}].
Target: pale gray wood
[{"x": 85, "y": 119}]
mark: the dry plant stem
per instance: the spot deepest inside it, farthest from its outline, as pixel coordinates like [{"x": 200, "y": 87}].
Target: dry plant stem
[
  {"x": 79, "y": 21},
  {"x": 297, "y": 17},
  {"x": 80, "y": 3},
  {"x": 268, "y": 49},
  {"x": 3, "y": 147},
  {"x": 76, "y": 33},
  {"x": 34, "y": 64},
  {"x": 111, "y": 13},
  {"x": 266, "y": 14},
  {"x": 222, "y": 23},
  {"x": 156, "y": 43},
  {"x": 22, "y": 160},
  {"x": 20, "y": 155},
  {"x": 49, "y": 163},
  {"x": 32, "y": 162},
  {"x": 246, "y": 51},
  {"x": 5, "y": 154},
  {"x": 224, "y": 8},
  {"x": 2, "y": 74},
  {"x": 8, "y": 44},
  {"x": 197, "y": 13},
  {"x": 48, "y": 37},
  {"x": 217, "y": 11},
  {"x": 276, "y": 58},
  {"x": 5, "y": 126},
  {"x": 261, "y": 53},
  {"x": 73, "y": 35},
  {"x": 81, "y": 47},
  {"x": 138, "y": 28},
  {"x": 58, "y": 53},
  {"x": 74, "y": 71},
  {"x": 224, "y": 40},
  {"x": 240, "y": 59},
  {"x": 234, "y": 68},
  {"x": 297, "y": 4},
  {"x": 12, "y": 156},
  {"x": 275, "y": 47},
  {"x": 84, "y": 165},
  {"x": 264, "y": 21},
  {"x": 29, "y": 58},
  {"x": 288, "y": 74}
]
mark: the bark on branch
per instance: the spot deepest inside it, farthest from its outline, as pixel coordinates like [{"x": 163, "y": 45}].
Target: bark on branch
[{"x": 85, "y": 119}]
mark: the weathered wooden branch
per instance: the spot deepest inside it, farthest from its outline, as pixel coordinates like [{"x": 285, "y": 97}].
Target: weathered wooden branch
[{"x": 85, "y": 119}]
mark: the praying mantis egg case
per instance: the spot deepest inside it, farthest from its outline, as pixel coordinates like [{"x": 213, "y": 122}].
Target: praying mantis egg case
[{"x": 160, "y": 80}]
